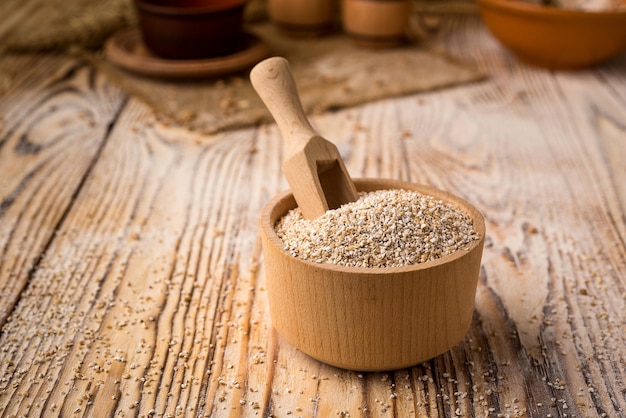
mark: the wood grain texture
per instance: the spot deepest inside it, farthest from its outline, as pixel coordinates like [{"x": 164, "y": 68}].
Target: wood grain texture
[
  {"x": 132, "y": 275},
  {"x": 54, "y": 111}
]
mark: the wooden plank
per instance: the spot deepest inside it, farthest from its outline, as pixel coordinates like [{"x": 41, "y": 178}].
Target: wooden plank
[
  {"x": 562, "y": 192},
  {"x": 149, "y": 298},
  {"x": 54, "y": 111}
]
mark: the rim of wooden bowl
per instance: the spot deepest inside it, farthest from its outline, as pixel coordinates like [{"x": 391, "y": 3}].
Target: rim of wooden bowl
[{"x": 284, "y": 201}]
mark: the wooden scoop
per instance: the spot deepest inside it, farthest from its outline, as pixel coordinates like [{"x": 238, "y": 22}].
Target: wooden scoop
[{"x": 313, "y": 166}]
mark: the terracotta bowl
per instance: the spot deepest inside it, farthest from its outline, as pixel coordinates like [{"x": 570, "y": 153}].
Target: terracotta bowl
[
  {"x": 555, "y": 38},
  {"x": 191, "y": 29},
  {"x": 371, "y": 319}
]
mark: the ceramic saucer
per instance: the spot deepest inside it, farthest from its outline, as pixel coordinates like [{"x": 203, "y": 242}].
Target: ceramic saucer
[{"x": 127, "y": 50}]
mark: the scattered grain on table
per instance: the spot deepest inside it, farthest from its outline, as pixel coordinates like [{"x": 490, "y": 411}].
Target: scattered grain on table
[{"x": 384, "y": 228}]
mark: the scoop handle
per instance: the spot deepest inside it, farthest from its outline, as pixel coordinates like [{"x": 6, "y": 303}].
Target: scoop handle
[{"x": 275, "y": 85}]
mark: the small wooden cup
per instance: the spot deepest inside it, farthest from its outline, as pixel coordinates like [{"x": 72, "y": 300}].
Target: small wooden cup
[
  {"x": 371, "y": 319},
  {"x": 376, "y": 23},
  {"x": 302, "y": 18}
]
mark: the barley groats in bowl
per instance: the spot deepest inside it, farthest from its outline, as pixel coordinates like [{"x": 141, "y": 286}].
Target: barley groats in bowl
[{"x": 382, "y": 283}]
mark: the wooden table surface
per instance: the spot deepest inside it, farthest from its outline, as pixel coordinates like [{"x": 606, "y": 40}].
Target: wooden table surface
[{"x": 131, "y": 272}]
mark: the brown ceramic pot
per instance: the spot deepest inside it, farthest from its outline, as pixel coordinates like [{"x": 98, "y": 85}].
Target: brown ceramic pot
[{"x": 191, "y": 29}]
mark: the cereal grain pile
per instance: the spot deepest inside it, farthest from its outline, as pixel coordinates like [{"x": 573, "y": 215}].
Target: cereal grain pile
[{"x": 385, "y": 228}]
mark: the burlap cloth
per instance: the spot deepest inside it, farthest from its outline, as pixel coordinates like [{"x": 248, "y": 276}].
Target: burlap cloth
[{"x": 330, "y": 71}]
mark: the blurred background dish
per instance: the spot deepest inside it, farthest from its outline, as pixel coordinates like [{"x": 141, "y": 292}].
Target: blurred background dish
[
  {"x": 307, "y": 18},
  {"x": 126, "y": 50},
  {"x": 191, "y": 29},
  {"x": 553, "y": 37},
  {"x": 376, "y": 23}
]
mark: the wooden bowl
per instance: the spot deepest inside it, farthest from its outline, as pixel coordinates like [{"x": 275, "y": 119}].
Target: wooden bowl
[
  {"x": 371, "y": 319},
  {"x": 555, "y": 38},
  {"x": 376, "y": 23},
  {"x": 191, "y": 29}
]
